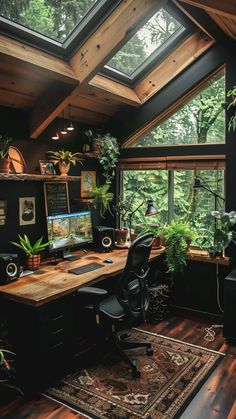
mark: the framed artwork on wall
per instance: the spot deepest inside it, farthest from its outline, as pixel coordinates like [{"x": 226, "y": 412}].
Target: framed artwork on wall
[
  {"x": 46, "y": 167},
  {"x": 56, "y": 198},
  {"x": 3, "y": 212},
  {"x": 26, "y": 210},
  {"x": 88, "y": 182}
]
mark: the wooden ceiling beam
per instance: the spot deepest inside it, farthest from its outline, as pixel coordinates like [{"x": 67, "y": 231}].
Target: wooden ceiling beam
[
  {"x": 176, "y": 62},
  {"x": 108, "y": 38},
  {"x": 117, "y": 90},
  {"x": 93, "y": 54},
  {"x": 225, "y": 8}
]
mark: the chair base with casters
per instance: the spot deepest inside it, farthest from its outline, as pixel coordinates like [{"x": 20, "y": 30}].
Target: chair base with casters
[{"x": 125, "y": 307}]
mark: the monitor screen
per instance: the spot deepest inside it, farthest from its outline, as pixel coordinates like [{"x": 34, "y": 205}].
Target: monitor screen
[{"x": 69, "y": 230}]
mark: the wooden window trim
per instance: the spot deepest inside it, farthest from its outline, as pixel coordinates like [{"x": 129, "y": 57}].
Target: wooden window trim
[{"x": 207, "y": 162}]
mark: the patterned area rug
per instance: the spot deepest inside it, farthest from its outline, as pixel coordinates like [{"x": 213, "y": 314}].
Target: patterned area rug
[{"x": 169, "y": 380}]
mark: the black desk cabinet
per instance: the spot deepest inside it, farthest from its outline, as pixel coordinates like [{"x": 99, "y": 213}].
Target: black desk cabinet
[{"x": 43, "y": 339}]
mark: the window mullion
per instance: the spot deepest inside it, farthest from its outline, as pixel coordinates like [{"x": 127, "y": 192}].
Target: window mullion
[{"x": 170, "y": 195}]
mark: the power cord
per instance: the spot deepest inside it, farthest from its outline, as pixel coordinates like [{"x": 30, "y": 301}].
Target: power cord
[
  {"x": 218, "y": 288},
  {"x": 210, "y": 332}
]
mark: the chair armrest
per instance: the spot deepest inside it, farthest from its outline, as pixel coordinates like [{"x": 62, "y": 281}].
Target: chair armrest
[{"x": 92, "y": 291}]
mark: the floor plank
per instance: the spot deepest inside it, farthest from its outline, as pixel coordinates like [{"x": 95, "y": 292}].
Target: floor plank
[{"x": 215, "y": 400}]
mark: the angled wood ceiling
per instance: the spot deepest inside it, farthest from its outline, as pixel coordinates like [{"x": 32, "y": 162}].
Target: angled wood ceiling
[{"x": 45, "y": 85}]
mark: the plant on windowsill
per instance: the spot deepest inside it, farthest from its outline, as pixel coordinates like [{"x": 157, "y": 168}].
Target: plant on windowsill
[
  {"x": 178, "y": 237},
  {"x": 4, "y": 156},
  {"x": 122, "y": 208},
  {"x": 152, "y": 228},
  {"x": 33, "y": 257},
  {"x": 102, "y": 198},
  {"x": 64, "y": 159},
  {"x": 232, "y": 94}
]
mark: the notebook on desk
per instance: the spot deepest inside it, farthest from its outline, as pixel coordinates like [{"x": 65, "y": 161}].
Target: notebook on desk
[{"x": 86, "y": 268}]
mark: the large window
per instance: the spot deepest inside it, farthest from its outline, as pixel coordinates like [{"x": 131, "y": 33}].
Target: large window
[
  {"x": 173, "y": 194},
  {"x": 200, "y": 121}
]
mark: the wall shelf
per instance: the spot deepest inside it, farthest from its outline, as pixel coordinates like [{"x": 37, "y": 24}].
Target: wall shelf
[{"x": 37, "y": 177}]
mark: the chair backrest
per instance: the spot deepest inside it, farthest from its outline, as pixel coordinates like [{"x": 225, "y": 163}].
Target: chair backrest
[{"x": 131, "y": 287}]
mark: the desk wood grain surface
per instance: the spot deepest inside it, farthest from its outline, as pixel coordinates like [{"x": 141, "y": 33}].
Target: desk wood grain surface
[{"x": 51, "y": 282}]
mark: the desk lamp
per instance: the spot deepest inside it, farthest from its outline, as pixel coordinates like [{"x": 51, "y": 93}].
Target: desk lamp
[{"x": 151, "y": 210}]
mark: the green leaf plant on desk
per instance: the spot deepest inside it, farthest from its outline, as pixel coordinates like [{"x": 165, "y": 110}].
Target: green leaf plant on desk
[{"x": 33, "y": 258}]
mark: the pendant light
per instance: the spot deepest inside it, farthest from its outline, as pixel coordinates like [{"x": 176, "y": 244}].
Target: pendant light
[
  {"x": 70, "y": 126},
  {"x": 55, "y": 136},
  {"x": 64, "y": 130}
]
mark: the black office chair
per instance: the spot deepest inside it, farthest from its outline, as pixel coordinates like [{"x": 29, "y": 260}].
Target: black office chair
[{"x": 127, "y": 305}]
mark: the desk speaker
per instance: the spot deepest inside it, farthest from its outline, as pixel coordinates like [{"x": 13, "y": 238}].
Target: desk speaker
[
  {"x": 103, "y": 238},
  {"x": 9, "y": 267}
]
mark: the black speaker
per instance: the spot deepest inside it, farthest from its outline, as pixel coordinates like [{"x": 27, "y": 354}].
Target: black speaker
[
  {"x": 103, "y": 238},
  {"x": 230, "y": 308},
  {"x": 9, "y": 267}
]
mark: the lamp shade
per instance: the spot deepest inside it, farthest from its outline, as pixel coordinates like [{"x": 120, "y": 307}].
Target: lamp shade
[
  {"x": 197, "y": 183},
  {"x": 151, "y": 210}
]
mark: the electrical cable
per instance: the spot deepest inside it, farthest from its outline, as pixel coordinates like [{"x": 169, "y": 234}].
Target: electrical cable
[
  {"x": 218, "y": 288},
  {"x": 210, "y": 333}
]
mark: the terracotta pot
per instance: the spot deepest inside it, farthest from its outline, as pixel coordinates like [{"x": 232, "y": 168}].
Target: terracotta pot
[
  {"x": 156, "y": 244},
  {"x": 5, "y": 165},
  {"x": 96, "y": 145},
  {"x": 33, "y": 262},
  {"x": 121, "y": 236},
  {"x": 64, "y": 168}
]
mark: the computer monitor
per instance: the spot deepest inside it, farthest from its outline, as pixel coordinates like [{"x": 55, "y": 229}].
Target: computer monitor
[{"x": 69, "y": 230}]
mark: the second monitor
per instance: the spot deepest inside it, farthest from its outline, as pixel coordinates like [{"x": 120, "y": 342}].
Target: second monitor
[{"x": 66, "y": 231}]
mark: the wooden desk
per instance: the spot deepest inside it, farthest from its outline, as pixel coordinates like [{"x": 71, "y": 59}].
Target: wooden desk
[{"x": 42, "y": 322}]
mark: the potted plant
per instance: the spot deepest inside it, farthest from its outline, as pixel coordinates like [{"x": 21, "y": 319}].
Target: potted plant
[
  {"x": 102, "y": 198},
  {"x": 151, "y": 228},
  {"x": 178, "y": 237},
  {"x": 224, "y": 233},
  {"x": 95, "y": 139},
  {"x": 108, "y": 156},
  {"x": 122, "y": 208},
  {"x": 7, "y": 372},
  {"x": 232, "y": 94},
  {"x": 33, "y": 257},
  {"x": 4, "y": 157},
  {"x": 64, "y": 159}
]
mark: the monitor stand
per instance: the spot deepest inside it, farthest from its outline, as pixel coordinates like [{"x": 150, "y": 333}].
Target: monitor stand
[{"x": 68, "y": 256}]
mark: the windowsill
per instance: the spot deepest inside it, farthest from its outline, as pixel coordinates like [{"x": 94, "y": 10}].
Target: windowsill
[{"x": 203, "y": 256}]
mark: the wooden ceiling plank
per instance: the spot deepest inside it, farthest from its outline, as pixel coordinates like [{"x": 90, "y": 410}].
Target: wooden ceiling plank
[
  {"x": 87, "y": 116},
  {"x": 27, "y": 54},
  {"x": 225, "y": 8},
  {"x": 227, "y": 25},
  {"x": 96, "y": 51},
  {"x": 184, "y": 55},
  {"x": 94, "y": 105},
  {"x": 124, "y": 93},
  {"x": 16, "y": 100}
]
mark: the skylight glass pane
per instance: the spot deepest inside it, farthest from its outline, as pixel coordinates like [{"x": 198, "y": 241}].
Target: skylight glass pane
[
  {"x": 53, "y": 18},
  {"x": 146, "y": 41}
]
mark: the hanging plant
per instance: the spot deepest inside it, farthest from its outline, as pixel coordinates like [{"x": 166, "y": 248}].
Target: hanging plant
[
  {"x": 102, "y": 198},
  {"x": 232, "y": 122},
  {"x": 108, "y": 156}
]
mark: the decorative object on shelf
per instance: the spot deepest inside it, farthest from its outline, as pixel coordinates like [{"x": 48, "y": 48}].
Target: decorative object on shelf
[
  {"x": 3, "y": 212},
  {"x": 33, "y": 257},
  {"x": 102, "y": 198},
  {"x": 46, "y": 167},
  {"x": 94, "y": 136},
  {"x": 5, "y": 161},
  {"x": 108, "y": 156},
  {"x": 18, "y": 164},
  {"x": 56, "y": 198},
  {"x": 178, "y": 236},
  {"x": 64, "y": 158},
  {"x": 232, "y": 94},
  {"x": 26, "y": 211},
  {"x": 88, "y": 183}
]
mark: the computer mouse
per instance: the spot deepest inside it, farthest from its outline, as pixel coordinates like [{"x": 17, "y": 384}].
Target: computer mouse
[{"x": 108, "y": 260}]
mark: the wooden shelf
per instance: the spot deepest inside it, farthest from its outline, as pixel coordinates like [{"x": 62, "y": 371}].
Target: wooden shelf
[
  {"x": 202, "y": 256},
  {"x": 37, "y": 177}
]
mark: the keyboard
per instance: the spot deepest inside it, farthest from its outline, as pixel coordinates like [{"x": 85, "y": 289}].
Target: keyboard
[{"x": 86, "y": 268}]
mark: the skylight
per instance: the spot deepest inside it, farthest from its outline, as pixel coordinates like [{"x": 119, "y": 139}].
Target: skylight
[
  {"x": 55, "y": 19},
  {"x": 147, "y": 40}
]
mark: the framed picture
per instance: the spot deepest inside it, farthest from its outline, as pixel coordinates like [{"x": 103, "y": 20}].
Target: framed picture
[
  {"x": 26, "y": 210},
  {"x": 88, "y": 182},
  {"x": 3, "y": 212},
  {"x": 46, "y": 167}
]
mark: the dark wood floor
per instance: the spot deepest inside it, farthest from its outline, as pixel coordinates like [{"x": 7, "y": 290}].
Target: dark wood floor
[{"x": 215, "y": 400}]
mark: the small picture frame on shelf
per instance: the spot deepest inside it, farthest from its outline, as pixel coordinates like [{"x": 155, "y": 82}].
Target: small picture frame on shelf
[
  {"x": 88, "y": 182},
  {"x": 46, "y": 167}
]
